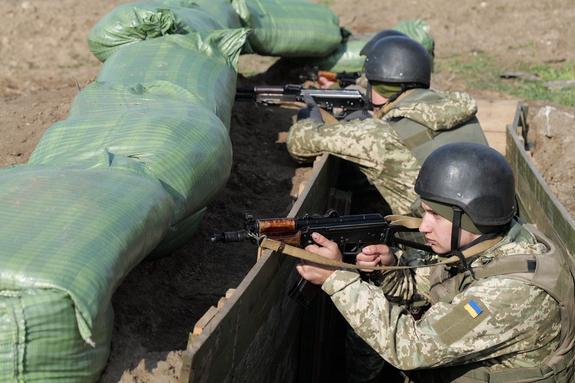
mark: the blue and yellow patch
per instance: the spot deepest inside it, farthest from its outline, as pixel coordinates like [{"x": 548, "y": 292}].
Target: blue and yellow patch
[
  {"x": 461, "y": 319},
  {"x": 473, "y": 308}
]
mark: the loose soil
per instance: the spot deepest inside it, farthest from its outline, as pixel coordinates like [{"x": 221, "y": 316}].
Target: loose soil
[{"x": 45, "y": 61}]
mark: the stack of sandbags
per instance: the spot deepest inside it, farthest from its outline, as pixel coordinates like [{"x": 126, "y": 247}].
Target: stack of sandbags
[
  {"x": 286, "y": 28},
  {"x": 164, "y": 104},
  {"x": 68, "y": 237},
  {"x": 129, "y": 172},
  {"x": 142, "y": 152},
  {"x": 133, "y": 22}
]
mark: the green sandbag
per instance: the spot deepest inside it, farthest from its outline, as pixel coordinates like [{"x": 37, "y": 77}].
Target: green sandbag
[
  {"x": 290, "y": 28},
  {"x": 133, "y": 22},
  {"x": 179, "y": 235},
  {"x": 220, "y": 10},
  {"x": 40, "y": 341},
  {"x": 419, "y": 31},
  {"x": 203, "y": 65},
  {"x": 347, "y": 58},
  {"x": 68, "y": 238},
  {"x": 174, "y": 137}
]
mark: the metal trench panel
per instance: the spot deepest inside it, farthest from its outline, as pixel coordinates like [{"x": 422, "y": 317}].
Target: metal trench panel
[
  {"x": 537, "y": 203},
  {"x": 254, "y": 336}
]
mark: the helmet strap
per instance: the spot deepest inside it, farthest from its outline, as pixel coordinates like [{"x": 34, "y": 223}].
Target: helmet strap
[
  {"x": 455, "y": 237},
  {"x": 455, "y": 228}
]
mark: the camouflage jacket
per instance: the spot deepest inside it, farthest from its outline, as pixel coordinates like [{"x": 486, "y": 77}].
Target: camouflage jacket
[
  {"x": 375, "y": 145},
  {"x": 518, "y": 324}
]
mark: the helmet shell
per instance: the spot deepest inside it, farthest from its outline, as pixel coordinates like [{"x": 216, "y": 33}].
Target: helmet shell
[
  {"x": 378, "y": 36},
  {"x": 473, "y": 177},
  {"x": 398, "y": 59}
]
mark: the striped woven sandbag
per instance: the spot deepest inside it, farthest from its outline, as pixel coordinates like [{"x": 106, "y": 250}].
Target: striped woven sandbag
[
  {"x": 67, "y": 239},
  {"x": 290, "y": 28},
  {"x": 202, "y": 64},
  {"x": 133, "y": 22},
  {"x": 162, "y": 127}
]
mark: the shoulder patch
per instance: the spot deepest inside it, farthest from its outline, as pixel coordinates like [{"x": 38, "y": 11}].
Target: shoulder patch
[
  {"x": 462, "y": 318},
  {"x": 473, "y": 308}
]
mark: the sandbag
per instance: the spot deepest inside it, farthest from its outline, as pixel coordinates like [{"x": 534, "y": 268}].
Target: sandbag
[
  {"x": 179, "y": 235},
  {"x": 133, "y": 22},
  {"x": 290, "y": 28},
  {"x": 165, "y": 129},
  {"x": 204, "y": 65},
  {"x": 68, "y": 237},
  {"x": 220, "y": 10},
  {"x": 419, "y": 31}
]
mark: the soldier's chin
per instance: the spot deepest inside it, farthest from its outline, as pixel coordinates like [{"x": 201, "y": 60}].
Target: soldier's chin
[{"x": 439, "y": 250}]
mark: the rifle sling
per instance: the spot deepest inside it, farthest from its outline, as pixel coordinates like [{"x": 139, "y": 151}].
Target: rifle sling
[{"x": 282, "y": 248}]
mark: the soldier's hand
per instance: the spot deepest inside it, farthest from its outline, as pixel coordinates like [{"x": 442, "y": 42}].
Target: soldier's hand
[
  {"x": 325, "y": 83},
  {"x": 374, "y": 255},
  {"x": 312, "y": 272}
]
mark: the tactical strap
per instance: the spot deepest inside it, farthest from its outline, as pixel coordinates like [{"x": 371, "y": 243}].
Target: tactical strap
[
  {"x": 386, "y": 108},
  {"x": 409, "y": 222}
]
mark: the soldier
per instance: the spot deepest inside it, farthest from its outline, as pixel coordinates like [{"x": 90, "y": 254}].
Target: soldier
[
  {"x": 407, "y": 122},
  {"x": 503, "y": 313}
]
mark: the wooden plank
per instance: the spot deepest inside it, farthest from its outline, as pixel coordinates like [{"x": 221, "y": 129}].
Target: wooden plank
[
  {"x": 254, "y": 335},
  {"x": 204, "y": 320},
  {"x": 494, "y": 116},
  {"x": 537, "y": 202}
]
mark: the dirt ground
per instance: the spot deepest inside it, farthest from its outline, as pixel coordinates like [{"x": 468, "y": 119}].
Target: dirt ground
[{"x": 44, "y": 61}]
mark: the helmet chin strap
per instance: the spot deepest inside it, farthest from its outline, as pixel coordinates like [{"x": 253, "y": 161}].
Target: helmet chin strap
[
  {"x": 456, "y": 249},
  {"x": 455, "y": 237}
]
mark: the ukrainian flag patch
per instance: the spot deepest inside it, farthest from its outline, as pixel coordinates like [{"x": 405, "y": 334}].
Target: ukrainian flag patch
[
  {"x": 461, "y": 320},
  {"x": 473, "y": 308}
]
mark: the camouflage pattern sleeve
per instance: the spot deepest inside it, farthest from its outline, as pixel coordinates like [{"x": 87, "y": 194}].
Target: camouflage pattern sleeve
[
  {"x": 372, "y": 144},
  {"x": 505, "y": 321},
  {"x": 441, "y": 111},
  {"x": 408, "y": 287}
]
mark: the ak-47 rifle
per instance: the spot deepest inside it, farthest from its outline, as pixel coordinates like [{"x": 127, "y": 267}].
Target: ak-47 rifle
[
  {"x": 338, "y": 102},
  {"x": 350, "y": 232}
]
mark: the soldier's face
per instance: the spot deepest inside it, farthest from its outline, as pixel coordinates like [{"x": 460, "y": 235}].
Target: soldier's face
[{"x": 437, "y": 230}]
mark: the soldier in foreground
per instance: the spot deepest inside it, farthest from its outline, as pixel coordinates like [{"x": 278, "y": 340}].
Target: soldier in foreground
[
  {"x": 503, "y": 313},
  {"x": 407, "y": 122}
]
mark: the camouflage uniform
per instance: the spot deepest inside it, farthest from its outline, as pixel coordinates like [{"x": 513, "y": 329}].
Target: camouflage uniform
[
  {"x": 390, "y": 147},
  {"x": 519, "y": 325}
]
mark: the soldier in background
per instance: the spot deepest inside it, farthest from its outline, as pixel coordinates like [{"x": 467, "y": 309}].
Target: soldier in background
[
  {"x": 505, "y": 312},
  {"x": 407, "y": 122}
]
